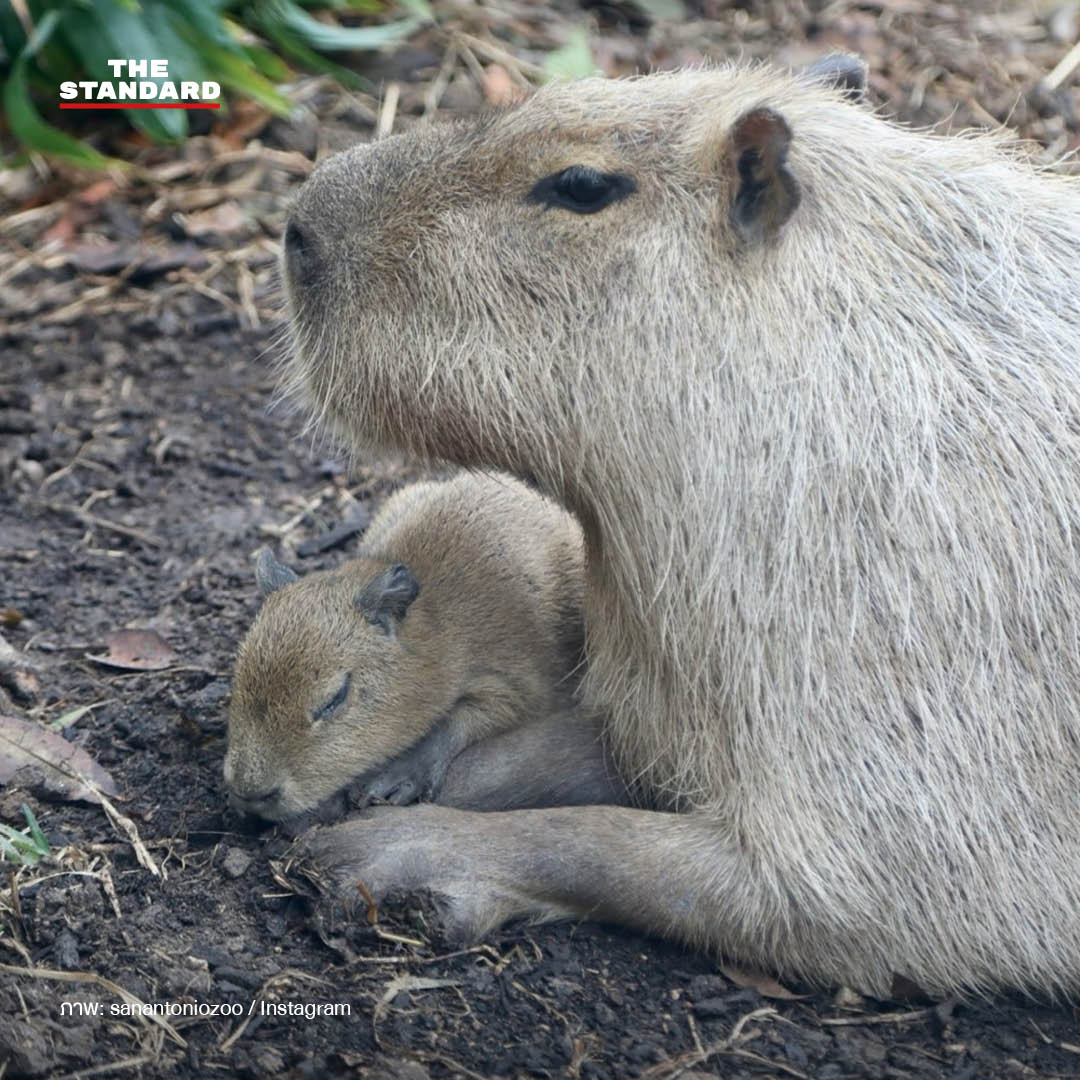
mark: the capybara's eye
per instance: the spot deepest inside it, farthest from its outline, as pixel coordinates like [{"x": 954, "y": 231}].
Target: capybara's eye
[
  {"x": 328, "y": 707},
  {"x": 582, "y": 189}
]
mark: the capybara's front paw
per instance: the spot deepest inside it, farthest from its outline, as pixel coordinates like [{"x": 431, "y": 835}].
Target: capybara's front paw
[
  {"x": 417, "y": 775},
  {"x": 387, "y": 852}
]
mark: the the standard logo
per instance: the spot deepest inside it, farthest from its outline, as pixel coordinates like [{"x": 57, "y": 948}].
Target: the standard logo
[{"x": 139, "y": 84}]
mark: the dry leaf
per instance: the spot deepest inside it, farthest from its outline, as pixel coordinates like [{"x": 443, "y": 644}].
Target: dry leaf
[
  {"x": 136, "y": 650},
  {"x": 97, "y": 192},
  {"x": 60, "y": 762},
  {"x": 224, "y": 219},
  {"x": 765, "y": 985}
]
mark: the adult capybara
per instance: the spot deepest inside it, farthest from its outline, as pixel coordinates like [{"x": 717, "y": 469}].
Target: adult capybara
[{"x": 811, "y": 383}]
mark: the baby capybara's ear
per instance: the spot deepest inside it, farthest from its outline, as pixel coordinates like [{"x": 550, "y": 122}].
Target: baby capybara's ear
[
  {"x": 271, "y": 575},
  {"x": 385, "y": 600}
]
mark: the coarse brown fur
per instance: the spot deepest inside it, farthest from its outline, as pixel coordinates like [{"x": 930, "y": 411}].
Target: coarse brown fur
[
  {"x": 826, "y": 454},
  {"x": 490, "y": 640}
]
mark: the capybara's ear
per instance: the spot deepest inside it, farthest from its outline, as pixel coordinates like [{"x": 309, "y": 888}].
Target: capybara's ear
[
  {"x": 384, "y": 600},
  {"x": 270, "y": 574},
  {"x": 766, "y": 194},
  {"x": 842, "y": 70}
]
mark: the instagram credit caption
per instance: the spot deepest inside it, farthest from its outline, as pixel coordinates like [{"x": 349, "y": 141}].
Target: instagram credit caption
[{"x": 204, "y": 1010}]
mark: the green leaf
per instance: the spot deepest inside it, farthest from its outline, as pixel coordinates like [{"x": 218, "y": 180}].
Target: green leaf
[
  {"x": 297, "y": 51},
  {"x": 185, "y": 60},
  {"x": 35, "y": 829},
  {"x": 420, "y": 8},
  {"x": 205, "y": 21},
  {"x": 267, "y": 63},
  {"x": 574, "y": 60},
  {"x": 365, "y": 7},
  {"x": 238, "y": 73},
  {"x": 24, "y": 119},
  {"x": 670, "y": 10},
  {"x": 21, "y": 848},
  {"x": 12, "y": 34},
  {"x": 110, "y": 30},
  {"x": 72, "y": 716},
  {"x": 327, "y": 38}
]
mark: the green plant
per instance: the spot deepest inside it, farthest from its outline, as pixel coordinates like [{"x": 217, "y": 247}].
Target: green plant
[
  {"x": 23, "y": 847},
  {"x": 236, "y": 43},
  {"x": 574, "y": 60}
]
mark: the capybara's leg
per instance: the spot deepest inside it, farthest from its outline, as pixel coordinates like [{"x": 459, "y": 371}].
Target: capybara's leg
[
  {"x": 673, "y": 874},
  {"x": 561, "y": 760}
]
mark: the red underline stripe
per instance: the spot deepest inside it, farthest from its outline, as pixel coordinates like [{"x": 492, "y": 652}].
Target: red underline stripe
[{"x": 135, "y": 105}]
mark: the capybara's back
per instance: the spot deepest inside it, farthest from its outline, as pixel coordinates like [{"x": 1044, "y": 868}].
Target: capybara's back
[{"x": 811, "y": 383}]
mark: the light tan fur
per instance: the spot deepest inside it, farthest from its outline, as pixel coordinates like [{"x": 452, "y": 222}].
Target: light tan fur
[
  {"x": 491, "y": 641},
  {"x": 830, "y": 487}
]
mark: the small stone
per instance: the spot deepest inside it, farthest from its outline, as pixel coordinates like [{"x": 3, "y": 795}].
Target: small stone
[
  {"x": 236, "y": 862},
  {"x": 66, "y": 950},
  {"x": 276, "y": 925},
  {"x": 604, "y": 1016},
  {"x": 31, "y": 470},
  {"x": 268, "y": 1061}
]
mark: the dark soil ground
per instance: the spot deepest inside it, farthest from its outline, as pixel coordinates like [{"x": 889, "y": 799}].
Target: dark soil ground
[{"x": 141, "y": 466}]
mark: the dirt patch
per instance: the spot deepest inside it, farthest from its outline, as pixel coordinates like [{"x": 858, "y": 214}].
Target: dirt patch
[
  {"x": 142, "y": 466},
  {"x": 169, "y": 438}
]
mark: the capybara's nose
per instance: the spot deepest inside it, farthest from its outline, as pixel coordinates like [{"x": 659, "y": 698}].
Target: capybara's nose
[
  {"x": 260, "y": 804},
  {"x": 301, "y": 255}
]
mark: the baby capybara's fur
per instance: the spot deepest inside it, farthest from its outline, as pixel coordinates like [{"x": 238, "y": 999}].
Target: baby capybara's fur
[{"x": 459, "y": 620}]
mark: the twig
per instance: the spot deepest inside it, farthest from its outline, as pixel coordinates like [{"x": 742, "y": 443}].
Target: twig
[
  {"x": 501, "y": 56},
  {"x": 16, "y": 906},
  {"x": 669, "y": 1070},
  {"x": 433, "y": 94},
  {"x": 103, "y": 523},
  {"x": 1063, "y": 69},
  {"x": 879, "y": 1018},
  {"x": 388, "y": 111},
  {"x": 127, "y": 827}
]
